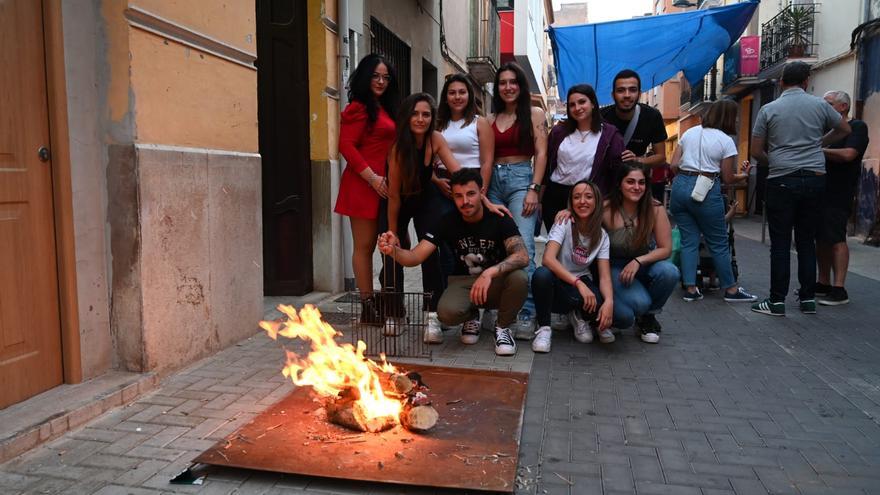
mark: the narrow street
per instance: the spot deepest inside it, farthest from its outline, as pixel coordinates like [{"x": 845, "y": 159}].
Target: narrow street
[{"x": 729, "y": 401}]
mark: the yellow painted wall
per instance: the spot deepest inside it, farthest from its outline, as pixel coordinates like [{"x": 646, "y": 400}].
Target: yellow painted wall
[
  {"x": 323, "y": 74},
  {"x": 185, "y": 97},
  {"x": 231, "y": 22}
]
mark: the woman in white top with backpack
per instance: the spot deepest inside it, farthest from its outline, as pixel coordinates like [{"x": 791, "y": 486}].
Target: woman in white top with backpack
[{"x": 704, "y": 154}]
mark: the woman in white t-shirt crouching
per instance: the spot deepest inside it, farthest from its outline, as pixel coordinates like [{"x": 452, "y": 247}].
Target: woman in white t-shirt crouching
[
  {"x": 564, "y": 283},
  {"x": 706, "y": 150}
]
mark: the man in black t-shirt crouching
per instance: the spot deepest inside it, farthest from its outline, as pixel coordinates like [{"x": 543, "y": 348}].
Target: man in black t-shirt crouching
[{"x": 489, "y": 259}]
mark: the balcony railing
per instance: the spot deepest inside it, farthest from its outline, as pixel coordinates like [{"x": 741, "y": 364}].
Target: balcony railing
[
  {"x": 483, "y": 55},
  {"x": 790, "y": 34},
  {"x": 698, "y": 94}
]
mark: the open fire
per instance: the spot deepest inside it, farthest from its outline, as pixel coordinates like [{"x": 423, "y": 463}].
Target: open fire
[{"x": 358, "y": 393}]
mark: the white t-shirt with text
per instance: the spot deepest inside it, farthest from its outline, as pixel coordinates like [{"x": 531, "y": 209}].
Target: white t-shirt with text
[{"x": 577, "y": 263}]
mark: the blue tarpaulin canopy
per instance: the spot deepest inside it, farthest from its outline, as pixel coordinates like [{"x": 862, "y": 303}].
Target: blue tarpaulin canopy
[{"x": 656, "y": 47}]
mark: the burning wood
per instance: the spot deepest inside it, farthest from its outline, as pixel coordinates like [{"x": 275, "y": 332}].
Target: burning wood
[{"x": 359, "y": 393}]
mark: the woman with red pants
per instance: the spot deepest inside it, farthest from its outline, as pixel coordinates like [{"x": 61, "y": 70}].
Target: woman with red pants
[{"x": 366, "y": 134}]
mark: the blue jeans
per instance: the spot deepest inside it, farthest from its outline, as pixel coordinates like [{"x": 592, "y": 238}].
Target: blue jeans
[
  {"x": 647, "y": 293},
  {"x": 552, "y": 294},
  {"x": 510, "y": 183},
  {"x": 793, "y": 201},
  {"x": 694, "y": 218}
]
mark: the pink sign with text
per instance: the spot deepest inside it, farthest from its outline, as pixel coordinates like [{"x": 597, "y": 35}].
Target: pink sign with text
[{"x": 749, "y": 55}]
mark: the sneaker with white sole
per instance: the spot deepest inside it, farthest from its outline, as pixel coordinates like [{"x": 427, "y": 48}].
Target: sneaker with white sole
[
  {"x": 648, "y": 328},
  {"x": 582, "y": 331},
  {"x": 470, "y": 332},
  {"x": 524, "y": 329},
  {"x": 559, "y": 322},
  {"x": 740, "y": 296},
  {"x": 504, "y": 343},
  {"x": 487, "y": 322},
  {"x": 433, "y": 332},
  {"x": 769, "y": 307},
  {"x": 696, "y": 295},
  {"x": 606, "y": 336},
  {"x": 541, "y": 343}
]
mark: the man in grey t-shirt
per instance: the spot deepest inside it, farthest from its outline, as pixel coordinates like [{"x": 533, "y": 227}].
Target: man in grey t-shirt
[{"x": 789, "y": 134}]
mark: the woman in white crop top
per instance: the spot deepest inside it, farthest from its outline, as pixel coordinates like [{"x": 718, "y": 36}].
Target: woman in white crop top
[{"x": 469, "y": 135}]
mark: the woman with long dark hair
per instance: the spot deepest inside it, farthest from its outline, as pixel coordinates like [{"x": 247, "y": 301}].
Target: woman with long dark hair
[
  {"x": 520, "y": 132},
  {"x": 641, "y": 242},
  {"x": 365, "y": 135},
  {"x": 706, "y": 152},
  {"x": 564, "y": 283},
  {"x": 413, "y": 196},
  {"x": 581, "y": 147},
  {"x": 468, "y": 134}
]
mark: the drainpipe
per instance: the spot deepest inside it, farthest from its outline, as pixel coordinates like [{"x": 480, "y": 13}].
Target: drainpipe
[{"x": 342, "y": 32}]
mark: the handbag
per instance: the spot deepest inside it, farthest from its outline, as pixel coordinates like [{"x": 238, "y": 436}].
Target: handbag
[{"x": 703, "y": 184}]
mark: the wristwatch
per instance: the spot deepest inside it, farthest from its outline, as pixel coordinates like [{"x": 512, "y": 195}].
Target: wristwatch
[{"x": 535, "y": 187}]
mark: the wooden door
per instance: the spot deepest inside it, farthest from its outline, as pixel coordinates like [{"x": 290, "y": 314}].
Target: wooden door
[
  {"x": 30, "y": 327},
  {"x": 283, "y": 113}
]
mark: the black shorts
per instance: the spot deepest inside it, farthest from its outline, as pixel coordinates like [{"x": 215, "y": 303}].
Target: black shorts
[{"x": 833, "y": 220}]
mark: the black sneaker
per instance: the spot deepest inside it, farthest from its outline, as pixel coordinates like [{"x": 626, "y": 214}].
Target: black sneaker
[
  {"x": 649, "y": 328},
  {"x": 835, "y": 297},
  {"x": 370, "y": 313},
  {"x": 823, "y": 289},
  {"x": 696, "y": 295}
]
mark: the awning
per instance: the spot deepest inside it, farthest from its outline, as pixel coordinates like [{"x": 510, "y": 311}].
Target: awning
[{"x": 656, "y": 47}]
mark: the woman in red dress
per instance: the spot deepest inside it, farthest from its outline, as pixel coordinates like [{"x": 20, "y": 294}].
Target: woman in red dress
[{"x": 366, "y": 133}]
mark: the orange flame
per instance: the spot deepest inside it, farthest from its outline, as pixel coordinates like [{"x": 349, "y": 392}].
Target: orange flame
[{"x": 330, "y": 367}]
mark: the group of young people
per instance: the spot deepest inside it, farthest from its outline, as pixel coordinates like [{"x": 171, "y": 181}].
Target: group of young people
[{"x": 475, "y": 188}]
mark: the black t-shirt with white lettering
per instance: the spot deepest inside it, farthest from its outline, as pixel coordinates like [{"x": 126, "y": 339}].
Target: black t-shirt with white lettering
[
  {"x": 650, "y": 128},
  {"x": 476, "y": 246}
]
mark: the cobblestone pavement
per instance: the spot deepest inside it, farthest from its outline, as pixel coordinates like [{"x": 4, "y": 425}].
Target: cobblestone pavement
[{"x": 729, "y": 402}]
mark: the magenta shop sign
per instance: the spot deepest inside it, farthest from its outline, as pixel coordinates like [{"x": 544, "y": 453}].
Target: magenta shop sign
[{"x": 750, "y": 51}]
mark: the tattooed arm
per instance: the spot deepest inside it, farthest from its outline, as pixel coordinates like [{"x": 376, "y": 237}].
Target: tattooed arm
[{"x": 517, "y": 258}]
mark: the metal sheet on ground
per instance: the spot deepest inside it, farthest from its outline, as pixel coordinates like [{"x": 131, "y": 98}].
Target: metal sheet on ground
[{"x": 474, "y": 446}]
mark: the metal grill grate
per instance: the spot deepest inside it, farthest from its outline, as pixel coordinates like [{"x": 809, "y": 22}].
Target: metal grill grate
[
  {"x": 400, "y": 327},
  {"x": 385, "y": 43}
]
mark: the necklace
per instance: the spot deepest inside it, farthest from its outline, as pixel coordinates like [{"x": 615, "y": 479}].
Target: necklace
[
  {"x": 582, "y": 135},
  {"x": 628, "y": 221}
]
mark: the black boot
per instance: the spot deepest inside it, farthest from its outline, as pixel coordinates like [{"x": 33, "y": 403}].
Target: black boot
[{"x": 371, "y": 313}]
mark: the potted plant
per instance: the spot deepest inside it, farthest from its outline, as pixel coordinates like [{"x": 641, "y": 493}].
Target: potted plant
[{"x": 798, "y": 25}]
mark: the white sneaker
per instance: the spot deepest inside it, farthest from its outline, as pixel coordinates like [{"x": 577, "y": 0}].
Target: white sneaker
[
  {"x": 470, "y": 332},
  {"x": 524, "y": 329},
  {"x": 504, "y": 343},
  {"x": 606, "y": 336},
  {"x": 559, "y": 322},
  {"x": 487, "y": 322},
  {"x": 542, "y": 340},
  {"x": 433, "y": 332},
  {"x": 393, "y": 326},
  {"x": 582, "y": 331}
]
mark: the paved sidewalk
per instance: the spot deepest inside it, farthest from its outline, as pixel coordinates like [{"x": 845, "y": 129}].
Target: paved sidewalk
[{"x": 729, "y": 402}]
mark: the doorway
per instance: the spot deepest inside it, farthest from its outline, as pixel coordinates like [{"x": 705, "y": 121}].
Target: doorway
[
  {"x": 30, "y": 321},
  {"x": 283, "y": 114}
]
